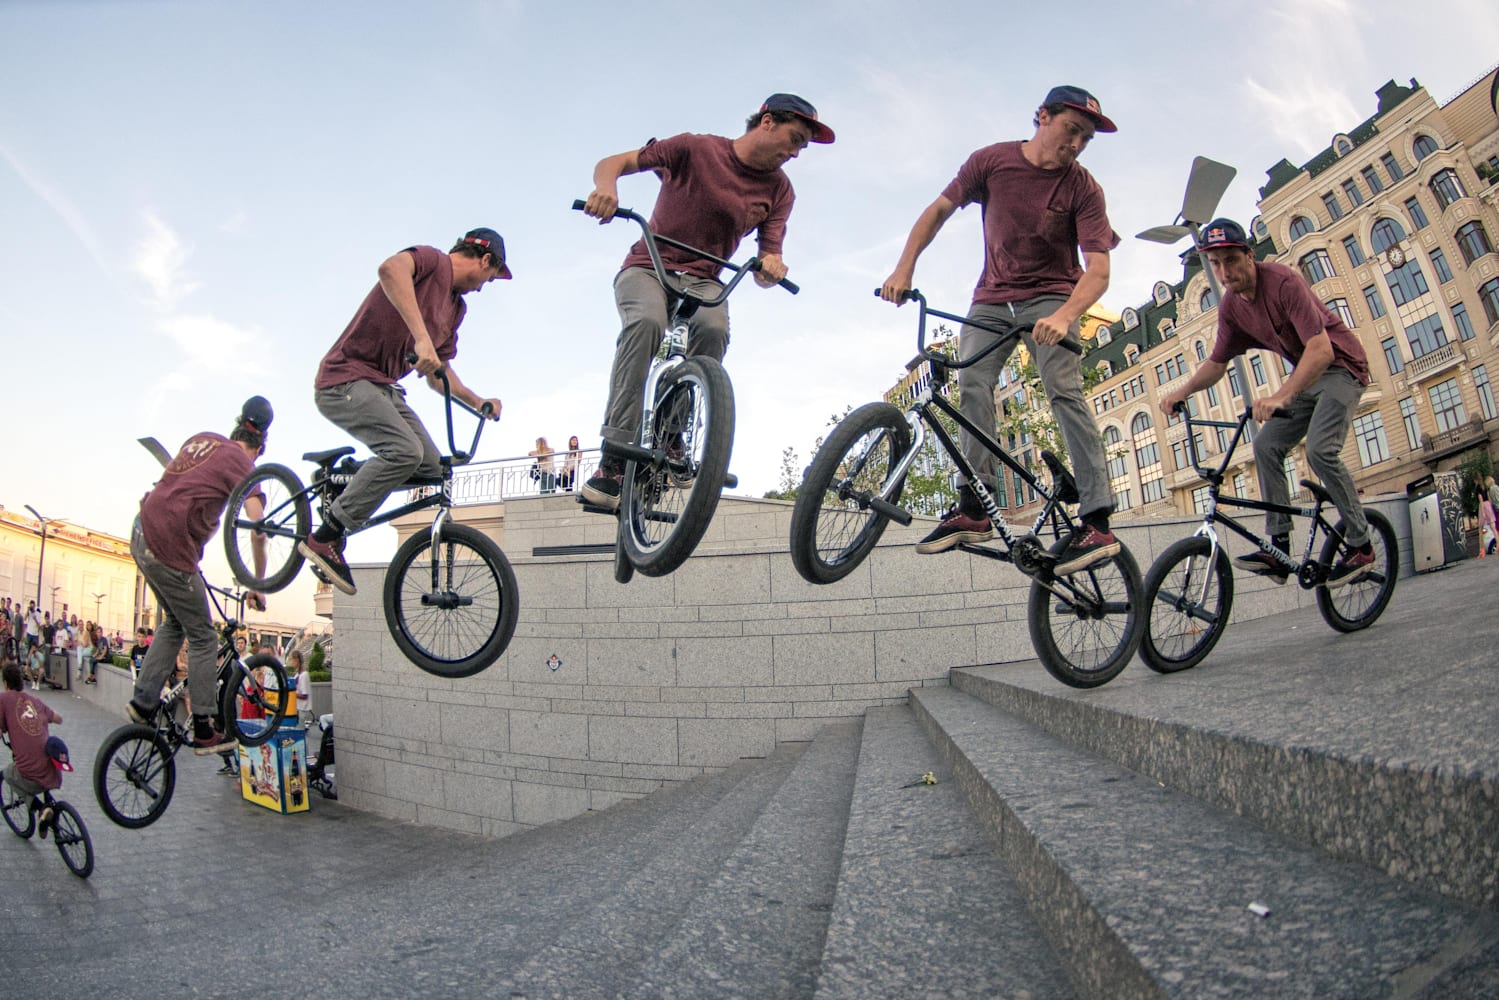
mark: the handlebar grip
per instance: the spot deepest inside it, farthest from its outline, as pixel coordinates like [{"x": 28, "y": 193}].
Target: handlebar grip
[
  {"x": 619, "y": 213},
  {"x": 486, "y": 410},
  {"x": 909, "y": 295},
  {"x": 410, "y": 358},
  {"x": 789, "y": 285}
]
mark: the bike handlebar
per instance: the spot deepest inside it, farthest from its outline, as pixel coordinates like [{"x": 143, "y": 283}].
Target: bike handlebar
[
  {"x": 651, "y": 239},
  {"x": 1236, "y": 426},
  {"x": 913, "y": 295},
  {"x": 483, "y": 413}
]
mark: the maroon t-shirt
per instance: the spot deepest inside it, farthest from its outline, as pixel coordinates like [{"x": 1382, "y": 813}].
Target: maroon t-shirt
[
  {"x": 182, "y": 511},
  {"x": 1282, "y": 318},
  {"x": 1034, "y": 222},
  {"x": 711, "y": 200},
  {"x": 374, "y": 345},
  {"x": 25, "y": 719}
]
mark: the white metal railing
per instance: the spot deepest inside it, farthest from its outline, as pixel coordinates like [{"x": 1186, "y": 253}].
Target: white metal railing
[{"x": 510, "y": 478}]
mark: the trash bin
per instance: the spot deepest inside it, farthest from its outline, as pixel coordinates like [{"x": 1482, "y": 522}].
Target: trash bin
[
  {"x": 274, "y": 774},
  {"x": 57, "y": 674},
  {"x": 1436, "y": 507}
]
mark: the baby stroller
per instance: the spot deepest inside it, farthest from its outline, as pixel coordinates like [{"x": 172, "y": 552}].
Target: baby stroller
[{"x": 320, "y": 768}]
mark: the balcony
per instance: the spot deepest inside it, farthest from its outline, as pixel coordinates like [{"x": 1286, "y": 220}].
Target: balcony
[
  {"x": 1435, "y": 447},
  {"x": 1433, "y": 362}
]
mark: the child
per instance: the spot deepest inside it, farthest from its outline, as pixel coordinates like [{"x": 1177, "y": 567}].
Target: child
[{"x": 304, "y": 687}]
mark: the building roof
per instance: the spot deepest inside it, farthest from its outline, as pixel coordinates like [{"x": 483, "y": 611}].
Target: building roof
[{"x": 1390, "y": 96}]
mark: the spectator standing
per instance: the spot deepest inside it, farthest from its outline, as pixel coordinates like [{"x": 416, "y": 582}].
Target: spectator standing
[
  {"x": 570, "y": 465},
  {"x": 543, "y": 470},
  {"x": 304, "y": 687}
]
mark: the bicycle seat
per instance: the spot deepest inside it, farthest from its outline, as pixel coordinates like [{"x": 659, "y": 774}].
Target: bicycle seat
[
  {"x": 1066, "y": 486},
  {"x": 1318, "y": 491},
  {"x": 327, "y": 457}
]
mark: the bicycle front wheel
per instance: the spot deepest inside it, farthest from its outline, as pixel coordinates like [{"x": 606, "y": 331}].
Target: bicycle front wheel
[
  {"x": 287, "y": 520},
  {"x": 1188, "y": 597},
  {"x": 833, "y": 527},
  {"x": 451, "y": 608},
  {"x": 665, "y": 507},
  {"x": 72, "y": 839},
  {"x": 1358, "y": 603},
  {"x": 1086, "y": 626},
  {"x": 253, "y": 699},
  {"x": 134, "y": 776},
  {"x": 17, "y": 808}
]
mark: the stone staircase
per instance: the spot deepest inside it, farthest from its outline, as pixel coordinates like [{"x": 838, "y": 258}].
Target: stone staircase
[{"x": 1304, "y": 815}]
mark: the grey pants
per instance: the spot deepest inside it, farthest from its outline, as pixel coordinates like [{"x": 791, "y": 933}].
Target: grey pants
[
  {"x": 21, "y": 783},
  {"x": 377, "y": 416},
  {"x": 184, "y": 610},
  {"x": 642, "y": 314},
  {"x": 1061, "y": 374},
  {"x": 1321, "y": 415}
]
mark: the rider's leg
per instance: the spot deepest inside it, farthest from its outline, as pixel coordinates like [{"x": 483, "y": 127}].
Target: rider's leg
[
  {"x": 976, "y": 385},
  {"x": 184, "y": 607},
  {"x": 1337, "y": 394},
  {"x": 642, "y": 313},
  {"x": 1276, "y": 437},
  {"x": 377, "y": 416}
]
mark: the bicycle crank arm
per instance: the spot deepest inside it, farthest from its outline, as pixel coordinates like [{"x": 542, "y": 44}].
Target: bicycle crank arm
[{"x": 447, "y": 601}]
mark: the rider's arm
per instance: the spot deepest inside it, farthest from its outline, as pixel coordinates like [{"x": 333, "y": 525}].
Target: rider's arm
[
  {"x": 398, "y": 282},
  {"x": 604, "y": 200},
  {"x": 463, "y": 392},
  {"x": 1314, "y": 361},
  {"x": 1208, "y": 373},
  {"x": 1089, "y": 289},
  {"x": 928, "y": 224}
]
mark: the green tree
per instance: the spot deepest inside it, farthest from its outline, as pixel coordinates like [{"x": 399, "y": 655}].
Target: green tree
[
  {"x": 315, "y": 660},
  {"x": 1475, "y": 465}
]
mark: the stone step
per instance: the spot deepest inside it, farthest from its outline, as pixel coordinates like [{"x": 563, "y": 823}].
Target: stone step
[
  {"x": 924, "y": 905},
  {"x": 623, "y": 917},
  {"x": 757, "y": 929},
  {"x": 1147, "y": 892}
]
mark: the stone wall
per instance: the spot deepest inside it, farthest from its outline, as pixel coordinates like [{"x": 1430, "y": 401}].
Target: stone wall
[{"x": 663, "y": 679}]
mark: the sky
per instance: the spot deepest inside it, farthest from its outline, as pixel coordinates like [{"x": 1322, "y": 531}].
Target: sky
[{"x": 195, "y": 196}]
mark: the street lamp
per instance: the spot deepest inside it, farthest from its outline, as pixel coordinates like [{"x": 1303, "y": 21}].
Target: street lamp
[
  {"x": 42, "y": 557},
  {"x": 98, "y": 602}
]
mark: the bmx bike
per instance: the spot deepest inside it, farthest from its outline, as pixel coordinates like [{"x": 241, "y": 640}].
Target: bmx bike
[
  {"x": 450, "y": 598},
  {"x": 1085, "y": 627},
  {"x": 67, "y": 828},
  {"x": 679, "y": 465},
  {"x": 1189, "y": 589},
  {"x": 135, "y": 773}
]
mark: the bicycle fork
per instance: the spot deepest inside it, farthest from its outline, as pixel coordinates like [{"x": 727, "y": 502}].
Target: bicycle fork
[{"x": 441, "y": 594}]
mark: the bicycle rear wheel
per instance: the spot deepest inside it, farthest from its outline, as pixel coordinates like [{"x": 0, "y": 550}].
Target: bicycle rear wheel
[
  {"x": 287, "y": 519},
  {"x": 1187, "y": 602},
  {"x": 254, "y": 698},
  {"x": 833, "y": 528},
  {"x": 134, "y": 776},
  {"x": 72, "y": 839},
  {"x": 1358, "y": 603},
  {"x": 1088, "y": 629},
  {"x": 665, "y": 507},
  {"x": 17, "y": 808},
  {"x": 451, "y": 610}
]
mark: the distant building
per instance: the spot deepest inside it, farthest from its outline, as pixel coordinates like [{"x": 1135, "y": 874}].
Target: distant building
[{"x": 85, "y": 572}]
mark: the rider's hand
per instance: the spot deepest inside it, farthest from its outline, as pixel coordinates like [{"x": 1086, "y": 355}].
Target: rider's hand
[
  {"x": 897, "y": 285},
  {"x": 427, "y": 360},
  {"x": 602, "y": 204},
  {"x": 494, "y": 408},
  {"x": 772, "y": 270},
  {"x": 255, "y": 599},
  {"x": 1050, "y": 329},
  {"x": 1169, "y": 403},
  {"x": 1265, "y": 408}
]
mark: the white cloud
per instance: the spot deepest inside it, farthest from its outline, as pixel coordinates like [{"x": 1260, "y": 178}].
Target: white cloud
[
  {"x": 160, "y": 258},
  {"x": 79, "y": 226},
  {"x": 213, "y": 346}
]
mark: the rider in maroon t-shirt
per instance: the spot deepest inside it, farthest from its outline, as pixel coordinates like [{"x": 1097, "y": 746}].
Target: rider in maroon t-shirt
[{"x": 714, "y": 191}]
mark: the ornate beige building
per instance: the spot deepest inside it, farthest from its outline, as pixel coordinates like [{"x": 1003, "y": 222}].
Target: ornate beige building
[{"x": 83, "y": 572}]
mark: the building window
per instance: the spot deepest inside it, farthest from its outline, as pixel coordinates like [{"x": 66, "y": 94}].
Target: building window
[
  {"x": 1301, "y": 226},
  {"x": 1114, "y": 450},
  {"x": 1447, "y": 186},
  {"x": 1340, "y": 308},
  {"x": 1122, "y": 500},
  {"x": 1234, "y": 385},
  {"x": 1241, "y": 485},
  {"x": 1373, "y": 301},
  {"x": 1392, "y": 167},
  {"x": 1425, "y": 335},
  {"x": 1334, "y": 208},
  {"x": 1200, "y": 499},
  {"x": 1130, "y": 319},
  {"x": 1257, "y": 369},
  {"x": 1147, "y": 452},
  {"x": 1179, "y": 454},
  {"x": 1372, "y": 179},
  {"x": 1406, "y": 282},
  {"x": 1202, "y": 351},
  {"x": 1351, "y": 190},
  {"x": 1485, "y": 392},
  {"x": 1385, "y": 234},
  {"x": 1473, "y": 241},
  {"x": 1447, "y": 405},
  {"x": 1412, "y": 424},
  {"x": 1392, "y": 355},
  {"x": 1464, "y": 325},
  {"x": 1152, "y": 490},
  {"x": 1354, "y": 251},
  {"x": 1212, "y": 395},
  {"x": 1316, "y": 266},
  {"x": 1439, "y": 265},
  {"x": 1368, "y": 430},
  {"x": 1222, "y": 439},
  {"x": 1488, "y": 294},
  {"x": 1289, "y": 468},
  {"x": 1209, "y": 300},
  {"x": 1424, "y": 146},
  {"x": 1418, "y": 217}
]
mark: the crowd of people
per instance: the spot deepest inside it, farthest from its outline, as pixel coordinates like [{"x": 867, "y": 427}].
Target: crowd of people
[
  {"x": 548, "y": 474},
  {"x": 29, "y": 634}
]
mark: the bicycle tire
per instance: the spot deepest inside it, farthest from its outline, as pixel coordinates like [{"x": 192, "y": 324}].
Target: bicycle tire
[
  {"x": 15, "y": 806},
  {"x": 452, "y": 641},
  {"x": 246, "y": 689},
  {"x": 624, "y": 570},
  {"x": 1185, "y": 620},
  {"x": 288, "y": 515},
  {"x": 833, "y": 528},
  {"x": 1358, "y": 604},
  {"x": 1086, "y": 648},
  {"x": 134, "y": 776},
  {"x": 72, "y": 839},
  {"x": 662, "y": 518}
]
